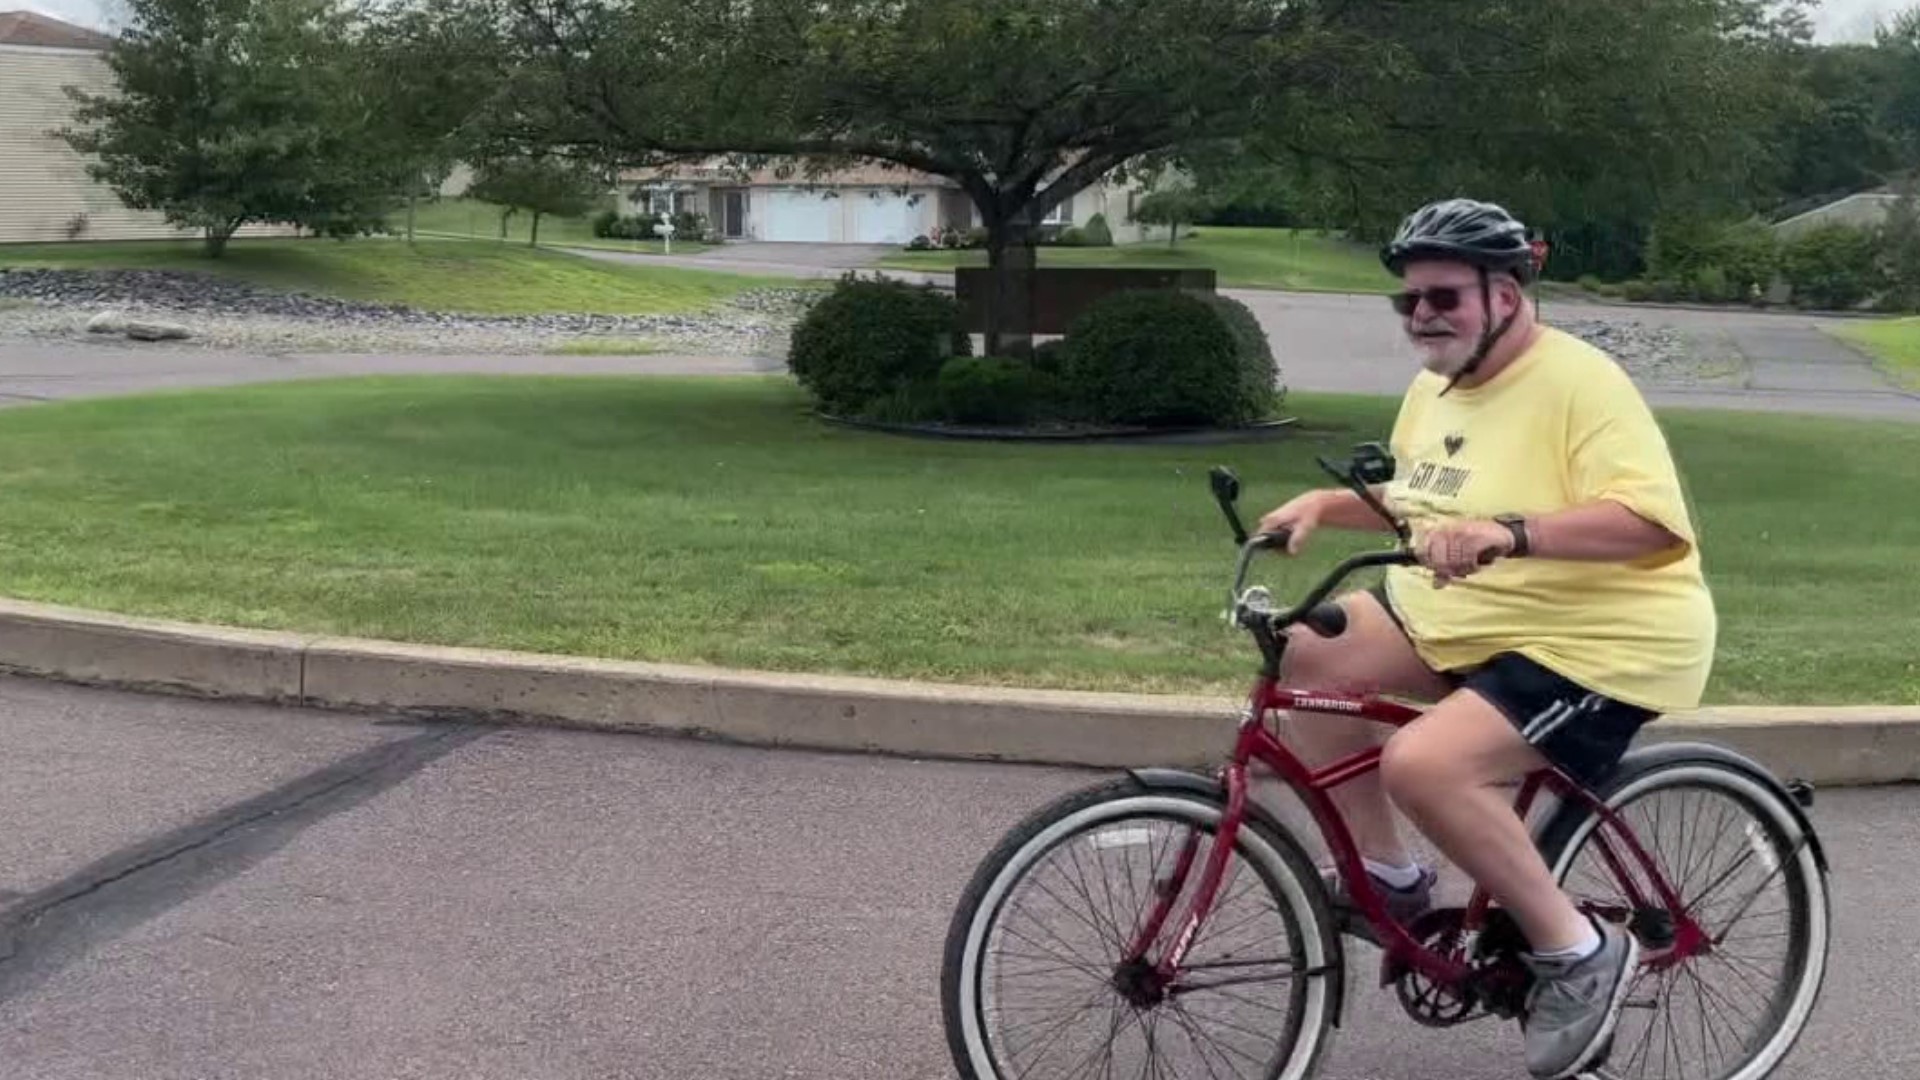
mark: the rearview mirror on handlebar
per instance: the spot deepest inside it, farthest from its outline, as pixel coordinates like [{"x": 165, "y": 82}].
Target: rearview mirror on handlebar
[{"x": 1226, "y": 491}]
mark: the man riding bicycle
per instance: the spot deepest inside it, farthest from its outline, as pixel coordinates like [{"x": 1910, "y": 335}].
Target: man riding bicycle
[{"x": 1558, "y": 605}]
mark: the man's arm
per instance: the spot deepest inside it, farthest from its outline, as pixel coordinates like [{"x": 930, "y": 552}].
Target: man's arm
[{"x": 1602, "y": 531}]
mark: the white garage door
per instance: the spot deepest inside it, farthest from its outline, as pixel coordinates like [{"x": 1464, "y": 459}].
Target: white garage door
[
  {"x": 795, "y": 216},
  {"x": 882, "y": 218}
]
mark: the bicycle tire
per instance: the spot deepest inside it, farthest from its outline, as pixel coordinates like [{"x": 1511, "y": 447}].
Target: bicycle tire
[
  {"x": 1712, "y": 774},
  {"x": 1281, "y": 864}
]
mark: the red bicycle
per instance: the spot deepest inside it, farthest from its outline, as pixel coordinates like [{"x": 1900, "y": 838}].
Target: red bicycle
[{"x": 1164, "y": 924}]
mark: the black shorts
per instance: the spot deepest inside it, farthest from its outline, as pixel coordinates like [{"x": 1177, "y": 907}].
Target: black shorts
[{"x": 1583, "y": 733}]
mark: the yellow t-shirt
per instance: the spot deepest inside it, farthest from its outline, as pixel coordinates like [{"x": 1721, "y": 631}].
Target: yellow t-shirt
[{"x": 1562, "y": 426}]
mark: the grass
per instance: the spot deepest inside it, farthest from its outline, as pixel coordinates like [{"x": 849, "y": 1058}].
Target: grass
[
  {"x": 1241, "y": 257},
  {"x": 471, "y": 219},
  {"x": 607, "y": 346},
  {"x": 436, "y": 275},
  {"x": 709, "y": 521},
  {"x": 1895, "y": 343}
]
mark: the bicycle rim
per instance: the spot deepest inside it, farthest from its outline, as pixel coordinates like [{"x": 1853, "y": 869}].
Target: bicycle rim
[
  {"x": 1039, "y": 993},
  {"x": 1737, "y": 861}
]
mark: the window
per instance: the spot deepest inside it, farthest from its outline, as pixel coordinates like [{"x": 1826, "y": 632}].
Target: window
[{"x": 1061, "y": 214}]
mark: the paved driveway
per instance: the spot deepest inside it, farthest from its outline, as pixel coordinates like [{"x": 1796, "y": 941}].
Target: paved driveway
[{"x": 1345, "y": 343}]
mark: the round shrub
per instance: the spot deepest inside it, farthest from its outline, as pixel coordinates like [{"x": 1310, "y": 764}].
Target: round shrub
[
  {"x": 1834, "y": 266},
  {"x": 1261, "y": 376},
  {"x": 987, "y": 390},
  {"x": 868, "y": 340},
  {"x": 1159, "y": 358}
]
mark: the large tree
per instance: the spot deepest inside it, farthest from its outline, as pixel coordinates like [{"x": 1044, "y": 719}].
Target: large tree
[
  {"x": 230, "y": 112},
  {"x": 1018, "y": 102},
  {"x": 1591, "y": 120}
]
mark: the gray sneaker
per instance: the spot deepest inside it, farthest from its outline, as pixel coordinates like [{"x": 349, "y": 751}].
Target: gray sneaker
[
  {"x": 1405, "y": 905},
  {"x": 1574, "y": 1004}
]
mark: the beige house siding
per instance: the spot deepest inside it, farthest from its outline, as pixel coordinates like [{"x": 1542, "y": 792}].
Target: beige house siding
[{"x": 43, "y": 183}]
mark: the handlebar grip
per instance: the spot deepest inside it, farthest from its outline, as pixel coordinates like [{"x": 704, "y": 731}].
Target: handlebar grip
[
  {"x": 1329, "y": 620},
  {"x": 1276, "y": 539}
]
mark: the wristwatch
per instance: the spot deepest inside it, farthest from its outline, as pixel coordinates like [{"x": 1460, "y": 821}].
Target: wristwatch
[{"x": 1516, "y": 525}]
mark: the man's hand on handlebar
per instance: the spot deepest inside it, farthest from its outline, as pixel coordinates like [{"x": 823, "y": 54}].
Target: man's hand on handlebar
[
  {"x": 1459, "y": 549},
  {"x": 1299, "y": 517}
]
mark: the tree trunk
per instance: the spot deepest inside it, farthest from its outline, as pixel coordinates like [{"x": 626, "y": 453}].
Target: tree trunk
[
  {"x": 1011, "y": 257},
  {"x": 217, "y": 237},
  {"x": 504, "y": 215},
  {"x": 533, "y": 234},
  {"x": 412, "y": 197}
]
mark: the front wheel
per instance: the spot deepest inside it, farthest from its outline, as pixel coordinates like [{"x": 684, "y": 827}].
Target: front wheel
[
  {"x": 1034, "y": 986},
  {"x": 1747, "y": 869}
]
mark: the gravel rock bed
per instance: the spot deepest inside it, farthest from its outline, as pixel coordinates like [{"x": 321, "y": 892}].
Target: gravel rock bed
[
  {"x": 226, "y": 314},
  {"x": 230, "y": 314}
]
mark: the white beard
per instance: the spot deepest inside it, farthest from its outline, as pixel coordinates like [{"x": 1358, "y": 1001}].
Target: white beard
[{"x": 1444, "y": 357}]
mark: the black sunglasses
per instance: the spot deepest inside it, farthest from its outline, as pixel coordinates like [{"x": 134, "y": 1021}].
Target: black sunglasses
[{"x": 1442, "y": 298}]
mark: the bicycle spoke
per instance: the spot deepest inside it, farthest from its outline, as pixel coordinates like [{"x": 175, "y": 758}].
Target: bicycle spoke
[
  {"x": 1052, "y": 1037},
  {"x": 1194, "y": 1034},
  {"x": 1244, "y": 1000},
  {"x": 1072, "y": 962},
  {"x": 1108, "y": 933}
]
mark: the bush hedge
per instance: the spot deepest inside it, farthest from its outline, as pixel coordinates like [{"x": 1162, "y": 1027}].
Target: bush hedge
[
  {"x": 869, "y": 340},
  {"x": 1160, "y": 358}
]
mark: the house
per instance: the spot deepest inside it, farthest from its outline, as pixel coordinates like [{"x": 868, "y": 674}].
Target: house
[
  {"x": 1862, "y": 209},
  {"x": 45, "y": 193},
  {"x": 861, "y": 204}
]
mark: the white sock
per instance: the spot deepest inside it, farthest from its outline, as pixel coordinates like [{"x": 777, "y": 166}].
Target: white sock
[
  {"x": 1576, "y": 953},
  {"x": 1399, "y": 877}
]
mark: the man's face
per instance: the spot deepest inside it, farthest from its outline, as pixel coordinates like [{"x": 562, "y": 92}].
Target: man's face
[{"x": 1446, "y": 324}]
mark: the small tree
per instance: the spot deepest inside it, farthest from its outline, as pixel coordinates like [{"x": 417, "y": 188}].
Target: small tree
[
  {"x": 230, "y": 112},
  {"x": 1172, "y": 207},
  {"x": 540, "y": 186}
]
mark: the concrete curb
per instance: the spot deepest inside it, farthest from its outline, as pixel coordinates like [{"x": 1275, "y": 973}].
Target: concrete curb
[{"x": 1838, "y": 745}]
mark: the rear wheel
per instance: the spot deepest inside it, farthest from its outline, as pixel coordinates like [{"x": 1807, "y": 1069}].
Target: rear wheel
[
  {"x": 1034, "y": 986},
  {"x": 1746, "y": 869}
]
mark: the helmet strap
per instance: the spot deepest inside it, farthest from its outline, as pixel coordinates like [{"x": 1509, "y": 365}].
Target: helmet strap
[{"x": 1489, "y": 334}]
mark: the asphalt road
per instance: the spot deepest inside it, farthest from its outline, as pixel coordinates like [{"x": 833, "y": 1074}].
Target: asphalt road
[
  {"x": 195, "y": 890},
  {"x": 1324, "y": 342}
]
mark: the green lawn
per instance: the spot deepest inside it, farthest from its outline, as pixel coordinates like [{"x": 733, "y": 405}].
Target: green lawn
[
  {"x": 1242, "y": 258},
  {"x": 711, "y": 521},
  {"x": 437, "y": 275},
  {"x": 1895, "y": 342},
  {"x": 471, "y": 219}
]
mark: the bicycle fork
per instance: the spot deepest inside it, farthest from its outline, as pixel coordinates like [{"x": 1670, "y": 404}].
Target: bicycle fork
[{"x": 1207, "y": 891}]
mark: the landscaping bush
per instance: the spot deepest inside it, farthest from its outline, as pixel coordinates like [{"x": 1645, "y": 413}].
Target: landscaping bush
[
  {"x": 1071, "y": 236},
  {"x": 867, "y": 340},
  {"x": 1159, "y": 358},
  {"x": 1097, "y": 234},
  {"x": 1750, "y": 254},
  {"x": 1716, "y": 261},
  {"x": 919, "y": 243},
  {"x": 1258, "y": 371},
  {"x": 604, "y": 223},
  {"x": 1637, "y": 289},
  {"x": 987, "y": 390},
  {"x": 1834, "y": 266},
  {"x": 1709, "y": 283}
]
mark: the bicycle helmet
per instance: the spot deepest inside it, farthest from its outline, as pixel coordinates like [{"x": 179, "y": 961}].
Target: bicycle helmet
[{"x": 1482, "y": 235}]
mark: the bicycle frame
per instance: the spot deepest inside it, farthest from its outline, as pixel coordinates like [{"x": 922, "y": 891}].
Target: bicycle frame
[{"x": 1256, "y": 743}]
